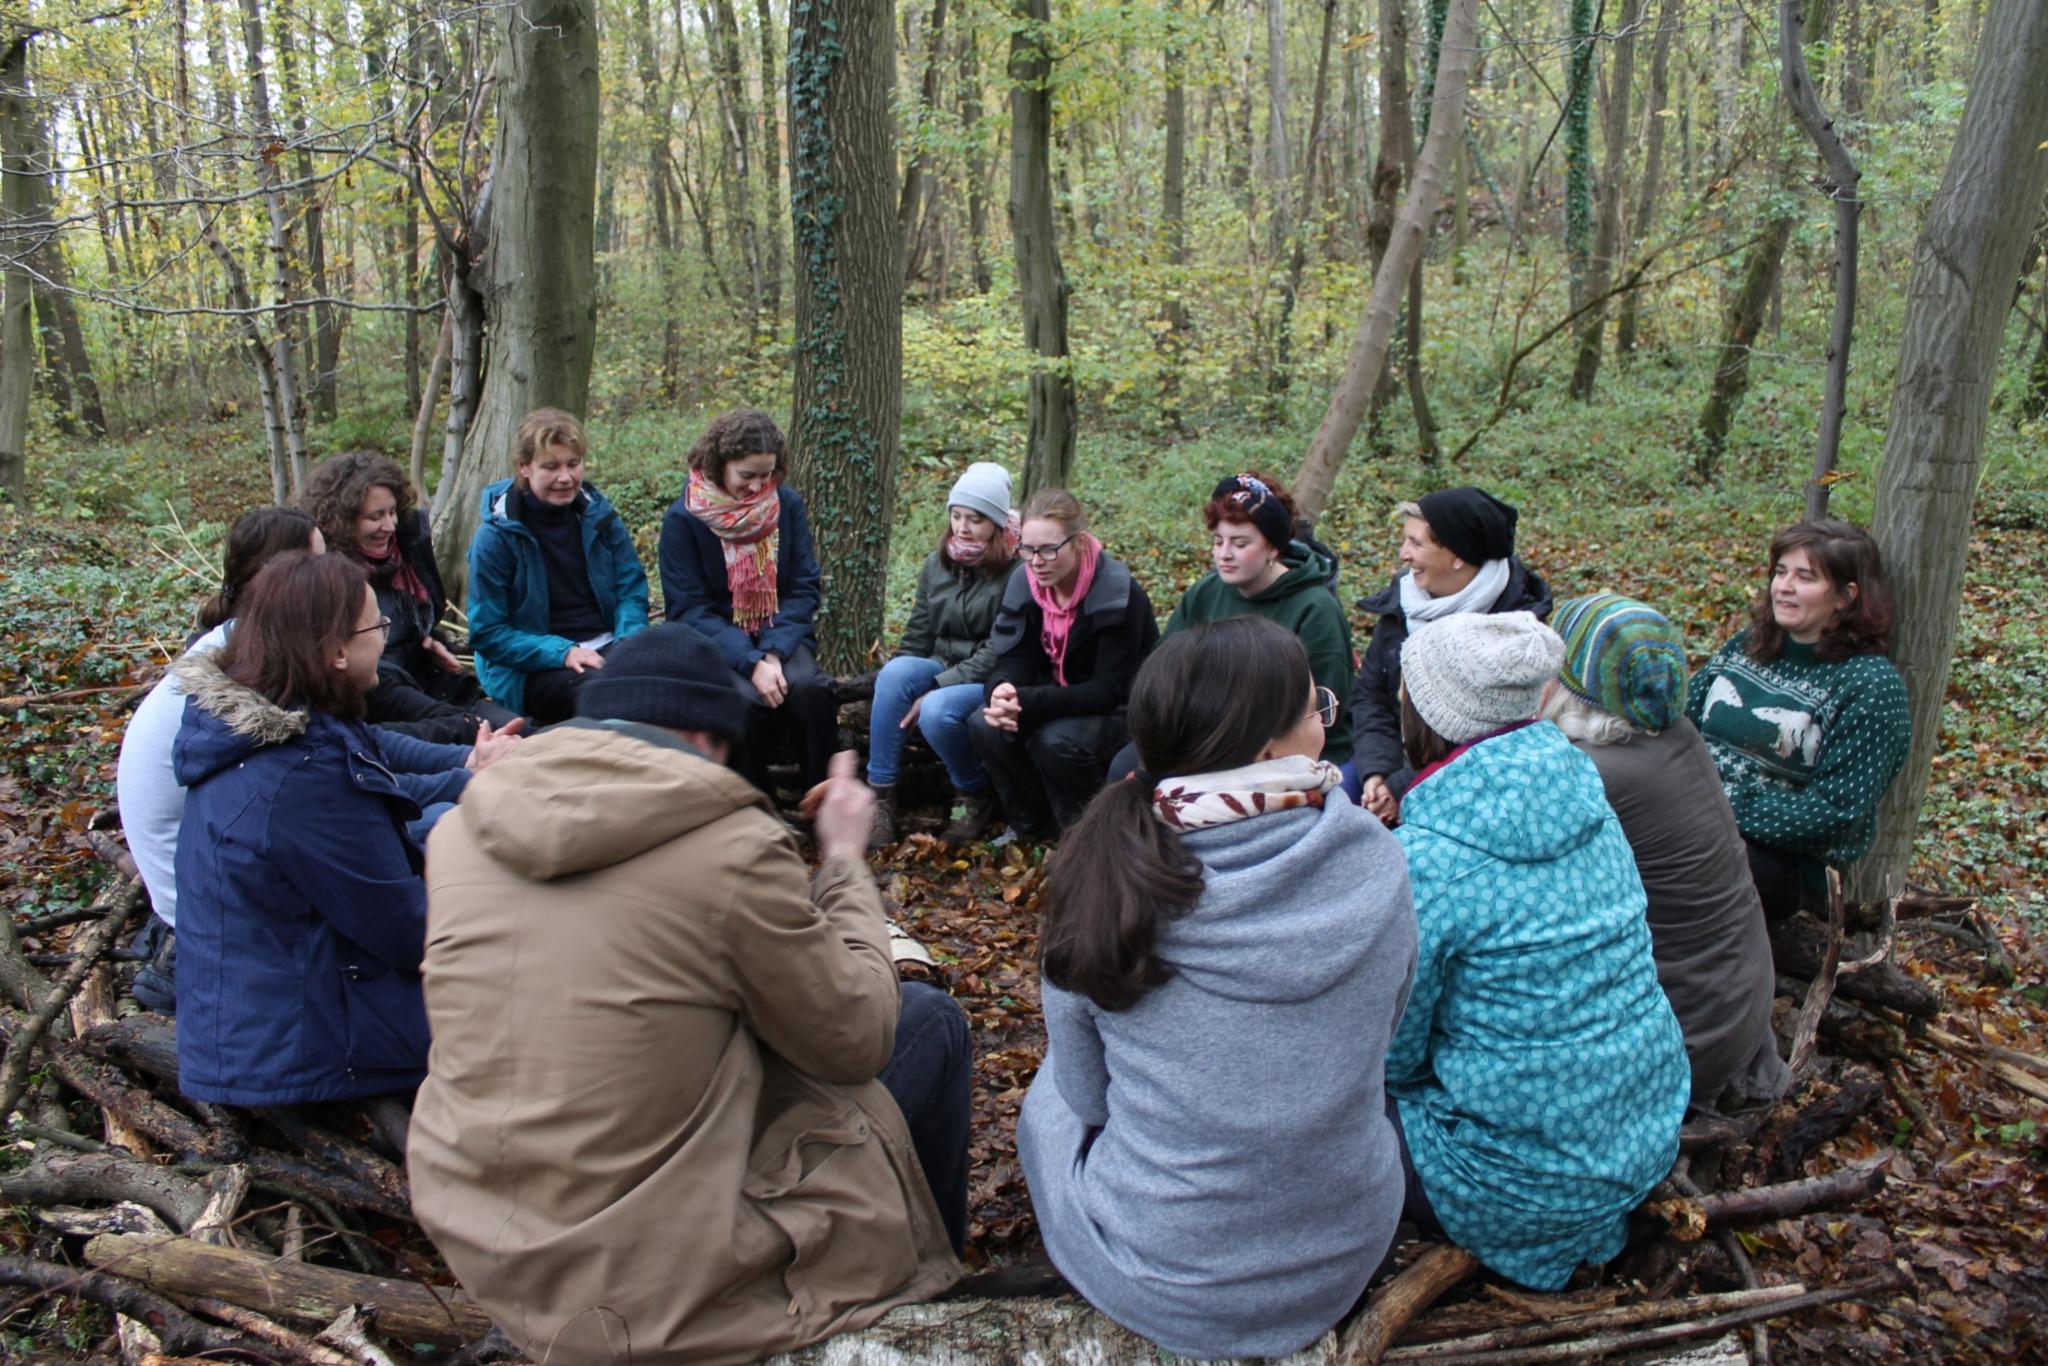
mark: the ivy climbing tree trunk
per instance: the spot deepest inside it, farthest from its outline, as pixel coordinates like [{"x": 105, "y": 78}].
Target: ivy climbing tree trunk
[
  {"x": 1040, "y": 278},
  {"x": 1669, "y": 17},
  {"x": 849, "y": 317},
  {"x": 1607, "y": 238},
  {"x": 17, "y": 342},
  {"x": 1964, "y": 268},
  {"x": 1578, "y": 148},
  {"x": 1318, "y": 473},
  {"x": 540, "y": 297}
]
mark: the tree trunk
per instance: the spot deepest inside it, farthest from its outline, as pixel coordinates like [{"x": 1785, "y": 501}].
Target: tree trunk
[
  {"x": 918, "y": 184},
  {"x": 849, "y": 316},
  {"x": 1279, "y": 156},
  {"x": 1607, "y": 242},
  {"x": 1578, "y": 148},
  {"x": 541, "y": 296},
  {"x": 1297, "y": 249},
  {"x": 17, "y": 207},
  {"x": 654, "y": 104},
  {"x": 1839, "y": 184},
  {"x": 283, "y": 269},
  {"x": 735, "y": 125},
  {"x": 1670, "y": 17},
  {"x": 324, "y": 365},
  {"x": 1369, "y": 351},
  {"x": 771, "y": 167},
  {"x": 1411, "y": 350},
  {"x": 977, "y": 170},
  {"x": 1173, "y": 200},
  {"x": 1049, "y": 458},
  {"x": 1396, "y": 152},
  {"x": 1963, "y": 272},
  {"x": 1744, "y": 322}
]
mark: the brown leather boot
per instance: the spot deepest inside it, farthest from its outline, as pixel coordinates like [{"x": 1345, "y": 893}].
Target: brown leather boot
[
  {"x": 977, "y": 812},
  {"x": 883, "y": 832}
]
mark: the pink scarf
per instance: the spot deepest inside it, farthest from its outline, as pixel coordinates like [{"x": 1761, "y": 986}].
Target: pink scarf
[
  {"x": 1059, "y": 619},
  {"x": 747, "y": 529}
]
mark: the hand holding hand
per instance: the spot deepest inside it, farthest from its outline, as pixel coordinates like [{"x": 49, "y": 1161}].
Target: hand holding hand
[
  {"x": 769, "y": 682},
  {"x": 842, "y": 810},
  {"x": 1379, "y": 799},
  {"x": 579, "y": 659},
  {"x": 493, "y": 745}
]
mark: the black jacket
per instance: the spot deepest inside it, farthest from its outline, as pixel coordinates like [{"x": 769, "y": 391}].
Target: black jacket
[
  {"x": 1112, "y": 634},
  {"x": 1376, "y": 696},
  {"x": 412, "y": 621}
]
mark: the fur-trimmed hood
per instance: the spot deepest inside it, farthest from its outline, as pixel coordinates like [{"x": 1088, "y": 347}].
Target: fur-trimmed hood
[{"x": 225, "y": 721}]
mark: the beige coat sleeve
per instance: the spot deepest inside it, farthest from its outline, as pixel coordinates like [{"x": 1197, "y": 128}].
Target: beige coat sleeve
[{"x": 812, "y": 965}]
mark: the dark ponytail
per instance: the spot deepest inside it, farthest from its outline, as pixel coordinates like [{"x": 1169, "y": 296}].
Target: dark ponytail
[
  {"x": 258, "y": 536},
  {"x": 1209, "y": 698}
]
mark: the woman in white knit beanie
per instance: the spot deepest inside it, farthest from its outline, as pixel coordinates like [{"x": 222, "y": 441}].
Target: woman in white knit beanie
[{"x": 1538, "y": 1074}]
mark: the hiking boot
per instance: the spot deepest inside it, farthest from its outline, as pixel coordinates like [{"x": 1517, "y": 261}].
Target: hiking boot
[
  {"x": 977, "y": 812},
  {"x": 883, "y": 832}
]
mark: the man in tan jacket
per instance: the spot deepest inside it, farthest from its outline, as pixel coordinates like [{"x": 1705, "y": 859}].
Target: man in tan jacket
[{"x": 678, "y": 1106}]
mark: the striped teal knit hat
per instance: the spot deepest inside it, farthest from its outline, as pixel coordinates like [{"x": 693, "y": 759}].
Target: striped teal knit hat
[{"x": 1624, "y": 657}]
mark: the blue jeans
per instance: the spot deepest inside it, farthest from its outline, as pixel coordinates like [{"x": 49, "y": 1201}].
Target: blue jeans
[
  {"x": 930, "y": 1076},
  {"x": 942, "y": 721}
]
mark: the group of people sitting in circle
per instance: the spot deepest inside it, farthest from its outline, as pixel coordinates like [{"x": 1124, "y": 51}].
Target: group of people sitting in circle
[{"x": 1451, "y": 936}]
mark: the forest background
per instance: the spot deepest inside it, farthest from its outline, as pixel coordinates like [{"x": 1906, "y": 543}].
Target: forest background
[{"x": 1129, "y": 247}]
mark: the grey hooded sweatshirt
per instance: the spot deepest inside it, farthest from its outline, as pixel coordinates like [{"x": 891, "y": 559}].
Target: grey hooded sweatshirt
[{"x": 1214, "y": 1167}]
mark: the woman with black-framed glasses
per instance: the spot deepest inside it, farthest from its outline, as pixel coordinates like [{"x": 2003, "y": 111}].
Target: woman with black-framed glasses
[
  {"x": 1069, "y": 637},
  {"x": 301, "y": 913}
]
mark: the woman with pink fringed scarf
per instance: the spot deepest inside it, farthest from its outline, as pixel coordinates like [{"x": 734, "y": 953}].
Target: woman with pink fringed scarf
[
  {"x": 1069, "y": 638},
  {"x": 738, "y": 566}
]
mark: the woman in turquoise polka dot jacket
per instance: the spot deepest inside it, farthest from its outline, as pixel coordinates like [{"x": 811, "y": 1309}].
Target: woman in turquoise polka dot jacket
[
  {"x": 1805, "y": 716},
  {"x": 1538, "y": 1073}
]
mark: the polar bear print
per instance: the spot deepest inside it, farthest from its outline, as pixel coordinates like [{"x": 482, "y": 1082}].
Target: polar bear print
[
  {"x": 1796, "y": 731},
  {"x": 1723, "y": 691}
]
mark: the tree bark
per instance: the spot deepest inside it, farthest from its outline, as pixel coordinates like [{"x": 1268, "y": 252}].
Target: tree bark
[
  {"x": 1368, "y": 355},
  {"x": 849, "y": 318},
  {"x": 655, "y": 105},
  {"x": 1396, "y": 155},
  {"x": 1041, "y": 279},
  {"x": 541, "y": 297},
  {"x": 17, "y": 208},
  {"x": 1839, "y": 184},
  {"x": 771, "y": 167},
  {"x": 323, "y": 377},
  {"x": 1607, "y": 239},
  {"x": 1670, "y": 17},
  {"x": 1279, "y": 155},
  {"x": 292, "y": 1292},
  {"x": 266, "y": 148},
  {"x": 918, "y": 184},
  {"x": 1964, "y": 267},
  {"x": 1578, "y": 148},
  {"x": 1297, "y": 247},
  {"x": 1744, "y": 322},
  {"x": 977, "y": 170}
]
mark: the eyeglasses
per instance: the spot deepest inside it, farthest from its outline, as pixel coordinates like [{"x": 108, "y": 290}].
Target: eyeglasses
[
  {"x": 1044, "y": 552},
  {"x": 383, "y": 624},
  {"x": 1325, "y": 709}
]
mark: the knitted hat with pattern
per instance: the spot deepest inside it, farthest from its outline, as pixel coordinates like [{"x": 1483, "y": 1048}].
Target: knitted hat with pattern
[
  {"x": 1473, "y": 673},
  {"x": 1624, "y": 657}
]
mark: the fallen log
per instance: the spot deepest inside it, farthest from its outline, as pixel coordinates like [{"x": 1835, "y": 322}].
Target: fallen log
[
  {"x": 1621, "y": 1316},
  {"x": 292, "y": 1292},
  {"x": 297, "y": 1345},
  {"x": 142, "y": 1042},
  {"x": 1799, "y": 944},
  {"x": 1890, "y": 1280},
  {"x": 1386, "y": 1313},
  {"x": 1763, "y": 1204},
  {"x": 122, "y": 903},
  {"x": 65, "y": 1178},
  {"x": 1853, "y": 1093},
  {"x": 178, "y": 1330},
  {"x": 1997, "y": 1062}
]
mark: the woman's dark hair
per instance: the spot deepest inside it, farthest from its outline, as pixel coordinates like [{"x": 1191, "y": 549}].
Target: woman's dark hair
[
  {"x": 336, "y": 489},
  {"x": 1419, "y": 740},
  {"x": 1208, "y": 699},
  {"x": 735, "y": 436},
  {"x": 292, "y": 618},
  {"x": 256, "y": 535},
  {"x": 1846, "y": 555}
]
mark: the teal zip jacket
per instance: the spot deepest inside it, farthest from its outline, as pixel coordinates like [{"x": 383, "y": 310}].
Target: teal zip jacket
[
  {"x": 1540, "y": 1074},
  {"x": 1300, "y": 600},
  {"x": 508, "y": 591}
]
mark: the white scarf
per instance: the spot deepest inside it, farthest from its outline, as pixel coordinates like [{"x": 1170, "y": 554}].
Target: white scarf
[
  {"x": 1477, "y": 596},
  {"x": 1200, "y": 800}
]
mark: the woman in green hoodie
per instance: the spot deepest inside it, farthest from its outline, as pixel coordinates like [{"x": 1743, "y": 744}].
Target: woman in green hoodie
[{"x": 1263, "y": 569}]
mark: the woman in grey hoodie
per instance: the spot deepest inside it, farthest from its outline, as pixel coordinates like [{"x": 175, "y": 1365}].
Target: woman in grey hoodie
[{"x": 1225, "y": 956}]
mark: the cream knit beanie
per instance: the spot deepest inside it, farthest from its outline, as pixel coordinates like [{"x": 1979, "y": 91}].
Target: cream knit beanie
[{"x": 1476, "y": 672}]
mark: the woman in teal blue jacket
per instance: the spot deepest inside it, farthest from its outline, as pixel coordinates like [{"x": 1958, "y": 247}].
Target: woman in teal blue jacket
[
  {"x": 1538, "y": 1073},
  {"x": 554, "y": 580}
]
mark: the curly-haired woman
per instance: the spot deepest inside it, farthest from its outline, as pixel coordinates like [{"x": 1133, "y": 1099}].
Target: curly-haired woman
[
  {"x": 1804, "y": 713},
  {"x": 737, "y": 565},
  {"x": 364, "y": 507}
]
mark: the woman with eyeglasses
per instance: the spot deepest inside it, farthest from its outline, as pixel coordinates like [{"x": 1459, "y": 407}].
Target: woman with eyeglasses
[
  {"x": 1263, "y": 568},
  {"x": 1070, "y": 635},
  {"x": 301, "y": 913},
  {"x": 1225, "y": 955},
  {"x": 364, "y": 505}
]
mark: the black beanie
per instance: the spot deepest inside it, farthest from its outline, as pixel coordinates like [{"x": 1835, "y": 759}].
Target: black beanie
[
  {"x": 1470, "y": 523},
  {"x": 668, "y": 676}
]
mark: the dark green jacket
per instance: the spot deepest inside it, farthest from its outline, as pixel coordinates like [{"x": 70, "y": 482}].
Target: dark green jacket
[
  {"x": 951, "y": 619},
  {"x": 1301, "y": 601}
]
